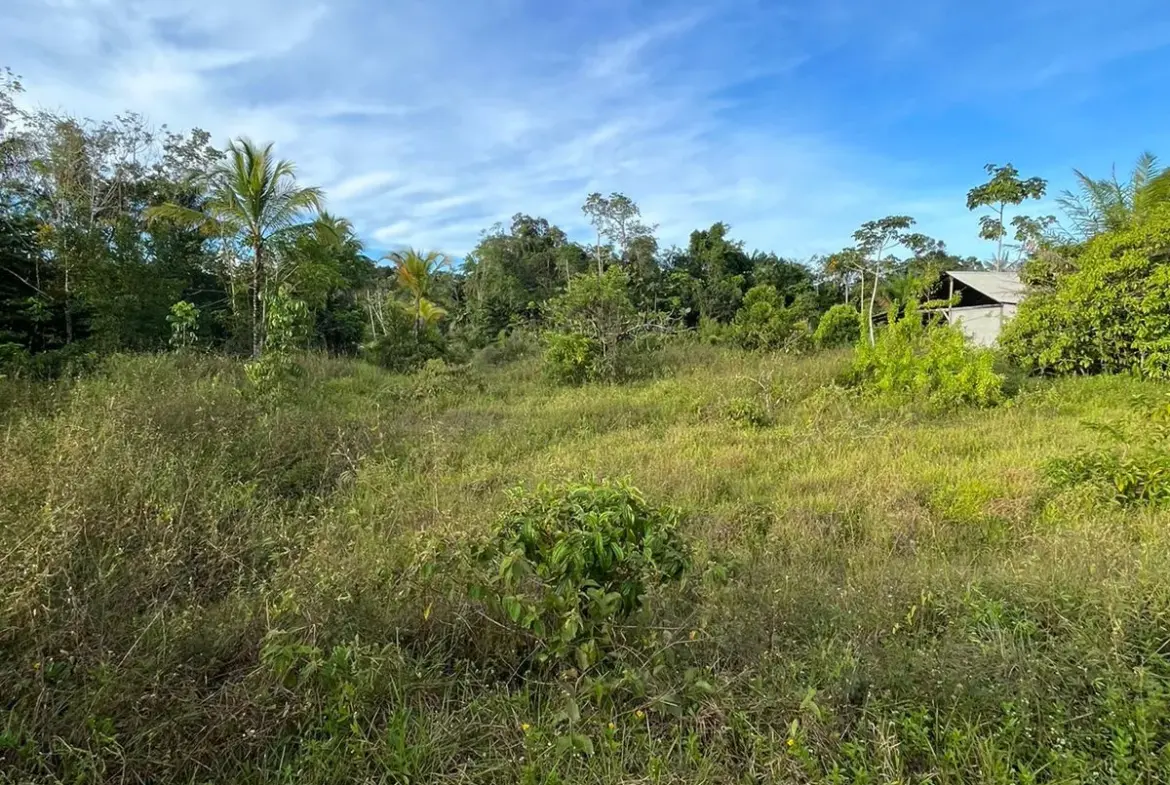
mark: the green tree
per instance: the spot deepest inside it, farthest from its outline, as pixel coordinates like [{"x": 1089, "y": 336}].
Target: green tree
[
  {"x": 1108, "y": 204},
  {"x": 763, "y": 322},
  {"x": 184, "y": 321},
  {"x": 596, "y": 329},
  {"x": 1110, "y": 313},
  {"x": 617, "y": 219},
  {"x": 415, "y": 274},
  {"x": 839, "y": 326},
  {"x": 875, "y": 240},
  {"x": 1003, "y": 188},
  {"x": 252, "y": 202}
]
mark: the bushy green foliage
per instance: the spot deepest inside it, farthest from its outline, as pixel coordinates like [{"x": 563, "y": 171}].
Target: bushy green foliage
[
  {"x": 201, "y": 588},
  {"x": 401, "y": 347},
  {"x": 1131, "y": 466},
  {"x": 597, "y": 334},
  {"x": 919, "y": 360},
  {"x": 839, "y": 326},
  {"x": 763, "y": 322},
  {"x": 184, "y": 321},
  {"x": 287, "y": 322},
  {"x": 575, "y": 561},
  {"x": 1111, "y": 314}
]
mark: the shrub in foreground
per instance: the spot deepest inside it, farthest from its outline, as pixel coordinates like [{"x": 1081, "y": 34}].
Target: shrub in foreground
[
  {"x": 574, "y": 562},
  {"x": 920, "y": 360}
]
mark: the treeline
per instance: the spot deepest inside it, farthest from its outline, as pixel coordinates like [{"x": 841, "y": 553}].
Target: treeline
[{"x": 118, "y": 237}]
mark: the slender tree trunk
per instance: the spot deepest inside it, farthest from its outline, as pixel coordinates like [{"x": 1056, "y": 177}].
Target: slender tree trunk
[
  {"x": 999, "y": 245},
  {"x": 257, "y": 285},
  {"x": 872, "y": 304},
  {"x": 68, "y": 308}
]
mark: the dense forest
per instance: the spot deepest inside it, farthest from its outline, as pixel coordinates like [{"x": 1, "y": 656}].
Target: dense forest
[{"x": 568, "y": 510}]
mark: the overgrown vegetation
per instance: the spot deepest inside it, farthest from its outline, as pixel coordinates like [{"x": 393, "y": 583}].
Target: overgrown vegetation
[
  {"x": 198, "y": 586},
  {"x": 272, "y": 511},
  {"x": 919, "y": 360}
]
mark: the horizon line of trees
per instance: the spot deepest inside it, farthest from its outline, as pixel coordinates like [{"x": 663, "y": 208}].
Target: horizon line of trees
[{"x": 115, "y": 236}]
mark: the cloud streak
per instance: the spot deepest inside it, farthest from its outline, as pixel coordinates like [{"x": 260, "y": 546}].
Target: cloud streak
[{"x": 428, "y": 121}]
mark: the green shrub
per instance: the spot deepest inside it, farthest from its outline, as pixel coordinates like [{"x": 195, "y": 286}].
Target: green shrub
[
  {"x": 920, "y": 360},
  {"x": 763, "y": 322},
  {"x": 597, "y": 334},
  {"x": 1142, "y": 477},
  {"x": 184, "y": 321},
  {"x": 1135, "y": 470},
  {"x": 1111, "y": 314},
  {"x": 401, "y": 348},
  {"x": 715, "y": 332},
  {"x": 571, "y": 358},
  {"x": 574, "y": 562},
  {"x": 287, "y": 322},
  {"x": 840, "y": 326}
]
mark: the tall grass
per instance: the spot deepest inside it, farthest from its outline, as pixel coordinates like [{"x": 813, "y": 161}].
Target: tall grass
[{"x": 198, "y": 585}]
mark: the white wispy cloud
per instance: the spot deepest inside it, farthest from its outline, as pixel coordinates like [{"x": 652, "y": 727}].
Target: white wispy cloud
[{"x": 429, "y": 120}]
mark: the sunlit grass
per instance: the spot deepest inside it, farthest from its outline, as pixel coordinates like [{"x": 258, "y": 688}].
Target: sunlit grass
[{"x": 908, "y": 588}]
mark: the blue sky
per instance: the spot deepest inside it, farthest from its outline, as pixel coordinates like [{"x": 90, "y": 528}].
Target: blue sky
[{"x": 426, "y": 121}]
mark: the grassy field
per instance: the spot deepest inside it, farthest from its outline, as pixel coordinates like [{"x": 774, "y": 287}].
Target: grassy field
[{"x": 199, "y": 585}]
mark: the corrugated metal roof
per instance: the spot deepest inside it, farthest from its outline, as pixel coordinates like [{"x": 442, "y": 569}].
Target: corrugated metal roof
[{"x": 1003, "y": 287}]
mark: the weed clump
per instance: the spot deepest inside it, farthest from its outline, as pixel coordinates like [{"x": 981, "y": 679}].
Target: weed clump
[
  {"x": 572, "y": 563},
  {"x": 919, "y": 360}
]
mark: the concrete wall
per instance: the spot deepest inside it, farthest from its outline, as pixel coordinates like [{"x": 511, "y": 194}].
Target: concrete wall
[{"x": 981, "y": 323}]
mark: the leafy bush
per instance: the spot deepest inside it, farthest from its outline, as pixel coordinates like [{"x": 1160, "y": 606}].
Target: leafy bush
[
  {"x": 401, "y": 348},
  {"x": 1142, "y": 477},
  {"x": 921, "y": 360},
  {"x": 598, "y": 334},
  {"x": 1135, "y": 470},
  {"x": 763, "y": 322},
  {"x": 184, "y": 321},
  {"x": 1111, "y": 314},
  {"x": 839, "y": 326},
  {"x": 287, "y": 321},
  {"x": 510, "y": 345},
  {"x": 574, "y": 562}
]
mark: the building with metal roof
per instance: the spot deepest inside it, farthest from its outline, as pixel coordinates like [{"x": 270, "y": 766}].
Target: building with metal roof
[{"x": 986, "y": 299}]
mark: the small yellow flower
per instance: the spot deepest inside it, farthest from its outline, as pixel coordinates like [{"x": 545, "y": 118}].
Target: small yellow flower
[
  {"x": 640, "y": 714},
  {"x": 792, "y": 742},
  {"x": 524, "y": 726},
  {"x": 612, "y": 726}
]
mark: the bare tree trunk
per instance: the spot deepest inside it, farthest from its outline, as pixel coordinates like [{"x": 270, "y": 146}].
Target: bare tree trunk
[
  {"x": 872, "y": 304},
  {"x": 257, "y": 284},
  {"x": 68, "y": 308},
  {"x": 999, "y": 244}
]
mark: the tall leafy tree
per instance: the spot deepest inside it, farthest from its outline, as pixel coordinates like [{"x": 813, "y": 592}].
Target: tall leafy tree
[
  {"x": 1005, "y": 187},
  {"x": 617, "y": 219},
  {"x": 875, "y": 241},
  {"x": 253, "y": 199},
  {"x": 416, "y": 272}
]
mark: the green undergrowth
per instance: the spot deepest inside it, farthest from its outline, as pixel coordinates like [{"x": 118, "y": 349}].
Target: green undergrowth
[{"x": 734, "y": 571}]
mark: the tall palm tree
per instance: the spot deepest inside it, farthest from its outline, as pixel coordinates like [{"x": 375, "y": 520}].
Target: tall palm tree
[
  {"x": 252, "y": 200},
  {"x": 416, "y": 271},
  {"x": 1107, "y": 204}
]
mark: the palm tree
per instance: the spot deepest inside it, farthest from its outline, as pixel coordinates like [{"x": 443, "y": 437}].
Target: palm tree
[
  {"x": 253, "y": 200},
  {"x": 416, "y": 273},
  {"x": 1106, "y": 204}
]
